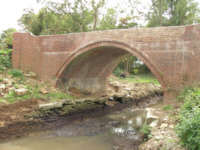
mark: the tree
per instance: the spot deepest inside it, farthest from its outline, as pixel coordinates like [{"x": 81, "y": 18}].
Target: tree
[
  {"x": 95, "y": 8},
  {"x": 157, "y": 14},
  {"x": 173, "y": 12},
  {"x": 58, "y": 18},
  {"x": 183, "y": 12},
  {"x": 126, "y": 22},
  {"x": 6, "y": 38},
  {"x": 109, "y": 20}
]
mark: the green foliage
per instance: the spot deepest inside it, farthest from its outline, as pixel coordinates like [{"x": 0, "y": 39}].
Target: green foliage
[
  {"x": 183, "y": 12},
  {"x": 130, "y": 64},
  {"x": 168, "y": 107},
  {"x": 5, "y": 59},
  {"x": 75, "y": 16},
  {"x": 109, "y": 20},
  {"x": 15, "y": 73},
  {"x": 118, "y": 71},
  {"x": 58, "y": 18},
  {"x": 173, "y": 12},
  {"x": 188, "y": 128},
  {"x": 6, "y": 38},
  {"x": 146, "y": 131},
  {"x": 126, "y": 63},
  {"x": 156, "y": 16},
  {"x": 141, "y": 78},
  {"x": 58, "y": 95},
  {"x": 35, "y": 93}
]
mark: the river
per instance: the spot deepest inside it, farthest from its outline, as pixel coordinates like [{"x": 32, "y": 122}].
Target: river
[{"x": 119, "y": 130}]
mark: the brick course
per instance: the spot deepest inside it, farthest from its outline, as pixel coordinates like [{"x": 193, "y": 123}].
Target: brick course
[{"x": 83, "y": 61}]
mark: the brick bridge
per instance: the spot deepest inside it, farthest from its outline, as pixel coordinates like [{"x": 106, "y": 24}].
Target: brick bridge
[{"x": 83, "y": 61}]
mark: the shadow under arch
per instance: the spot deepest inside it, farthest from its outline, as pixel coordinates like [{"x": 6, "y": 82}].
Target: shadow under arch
[{"x": 87, "y": 68}]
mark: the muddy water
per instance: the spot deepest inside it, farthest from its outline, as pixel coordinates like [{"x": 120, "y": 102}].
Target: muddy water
[{"x": 115, "y": 131}]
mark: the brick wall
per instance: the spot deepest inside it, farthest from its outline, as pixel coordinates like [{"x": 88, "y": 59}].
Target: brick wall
[{"x": 83, "y": 61}]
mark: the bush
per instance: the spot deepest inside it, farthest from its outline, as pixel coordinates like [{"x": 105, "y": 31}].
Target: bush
[
  {"x": 117, "y": 72},
  {"x": 5, "y": 59},
  {"x": 188, "y": 128},
  {"x": 146, "y": 131},
  {"x": 16, "y": 73}
]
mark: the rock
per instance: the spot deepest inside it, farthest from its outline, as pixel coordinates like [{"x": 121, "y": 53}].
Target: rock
[
  {"x": 2, "y": 87},
  {"x": 2, "y": 124},
  {"x": 116, "y": 148},
  {"x": 44, "y": 91},
  {"x": 158, "y": 137},
  {"x": 166, "y": 119},
  {"x": 9, "y": 82},
  {"x": 130, "y": 122},
  {"x": 128, "y": 89},
  {"x": 31, "y": 74},
  {"x": 151, "y": 119},
  {"x": 163, "y": 126},
  {"x": 51, "y": 105},
  {"x": 116, "y": 83},
  {"x": 68, "y": 102},
  {"x": 21, "y": 91},
  {"x": 139, "y": 121},
  {"x": 111, "y": 98},
  {"x": 154, "y": 124},
  {"x": 111, "y": 103}
]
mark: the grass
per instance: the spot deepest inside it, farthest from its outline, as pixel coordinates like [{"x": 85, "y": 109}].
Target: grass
[
  {"x": 146, "y": 131},
  {"x": 33, "y": 88},
  {"x": 34, "y": 93},
  {"x": 168, "y": 107},
  {"x": 19, "y": 80},
  {"x": 140, "y": 78}
]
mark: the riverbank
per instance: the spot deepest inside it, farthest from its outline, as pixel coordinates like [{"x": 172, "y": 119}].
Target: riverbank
[
  {"x": 23, "y": 117},
  {"x": 41, "y": 107},
  {"x": 110, "y": 128}
]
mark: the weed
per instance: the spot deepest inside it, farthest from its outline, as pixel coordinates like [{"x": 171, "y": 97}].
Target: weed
[
  {"x": 168, "y": 107},
  {"x": 15, "y": 73},
  {"x": 146, "y": 131},
  {"x": 5, "y": 59}
]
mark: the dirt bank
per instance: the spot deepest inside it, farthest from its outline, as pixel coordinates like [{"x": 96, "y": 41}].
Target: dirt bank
[{"x": 24, "y": 117}]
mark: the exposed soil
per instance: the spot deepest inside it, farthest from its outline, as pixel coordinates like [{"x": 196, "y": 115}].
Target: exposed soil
[
  {"x": 15, "y": 123},
  {"x": 15, "y": 112},
  {"x": 25, "y": 117}
]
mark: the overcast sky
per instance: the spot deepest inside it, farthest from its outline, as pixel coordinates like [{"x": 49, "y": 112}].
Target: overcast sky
[{"x": 11, "y": 10}]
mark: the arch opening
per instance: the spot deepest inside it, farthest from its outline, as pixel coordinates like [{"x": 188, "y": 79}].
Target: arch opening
[{"x": 88, "y": 69}]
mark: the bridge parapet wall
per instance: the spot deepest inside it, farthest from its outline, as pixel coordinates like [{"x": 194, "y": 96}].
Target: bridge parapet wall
[{"x": 173, "y": 53}]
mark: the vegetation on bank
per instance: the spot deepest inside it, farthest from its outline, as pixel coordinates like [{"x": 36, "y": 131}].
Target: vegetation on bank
[
  {"x": 14, "y": 81},
  {"x": 140, "y": 78},
  {"x": 188, "y": 128},
  {"x": 16, "y": 85}
]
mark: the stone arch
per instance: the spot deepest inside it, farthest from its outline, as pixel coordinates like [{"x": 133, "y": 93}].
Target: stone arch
[{"x": 101, "y": 57}]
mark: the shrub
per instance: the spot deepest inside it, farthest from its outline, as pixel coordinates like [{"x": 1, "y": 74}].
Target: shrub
[
  {"x": 118, "y": 71},
  {"x": 188, "y": 128},
  {"x": 146, "y": 131},
  {"x": 5, "y": 59},
  {"x": 16, "y": 73}
]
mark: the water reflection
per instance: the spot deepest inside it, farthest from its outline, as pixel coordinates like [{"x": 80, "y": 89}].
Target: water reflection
[{"x": 117, "y": 131}]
